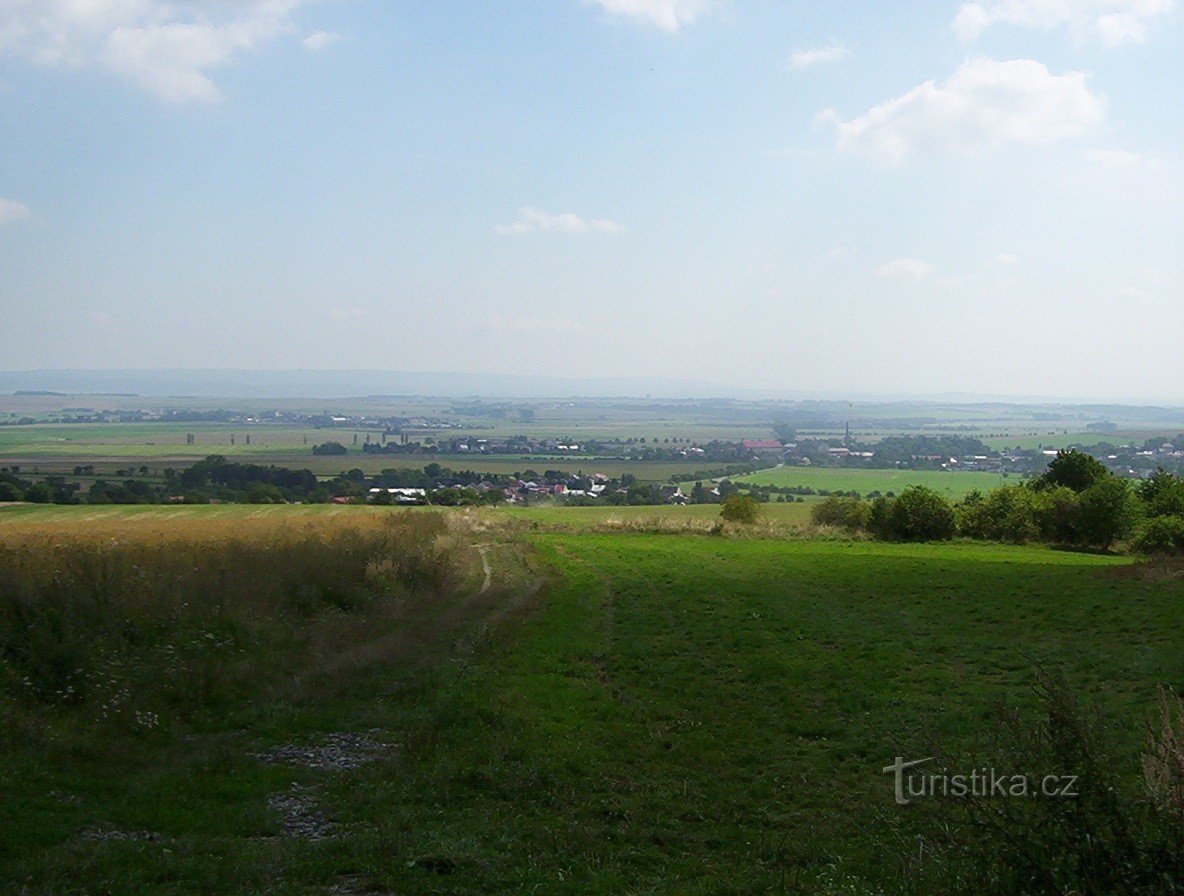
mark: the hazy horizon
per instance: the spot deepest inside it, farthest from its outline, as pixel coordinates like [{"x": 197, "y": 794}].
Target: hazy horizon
[
  {"x": 356, "y": 383},
  {"x": 979, "y": 198}
]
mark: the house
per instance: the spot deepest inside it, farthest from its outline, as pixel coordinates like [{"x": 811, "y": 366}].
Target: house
[
  {"x": 402, "y": 495},
  {"x": 763, "y": 446},
  {"x": 672, "y": 494}
]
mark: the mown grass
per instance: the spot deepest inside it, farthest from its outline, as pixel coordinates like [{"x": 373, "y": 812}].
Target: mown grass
[{"x": 678, "y": 714}]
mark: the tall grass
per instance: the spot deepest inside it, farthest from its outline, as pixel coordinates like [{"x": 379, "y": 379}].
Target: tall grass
[{"x": 137, "y": 626}]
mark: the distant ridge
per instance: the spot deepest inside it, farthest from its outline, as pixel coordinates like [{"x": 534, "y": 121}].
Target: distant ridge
[
  {"x": 328, "y": 384},
  {"x": 348, "y": 383}
]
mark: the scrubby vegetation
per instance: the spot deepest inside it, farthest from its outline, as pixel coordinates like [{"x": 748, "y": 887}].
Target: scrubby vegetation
[
  {"x": 1119, "y": 832},
  {"x": 1076, "y": 503},
  {"x": 149, "y": 627},
  {"x": 740, "y": 509}
]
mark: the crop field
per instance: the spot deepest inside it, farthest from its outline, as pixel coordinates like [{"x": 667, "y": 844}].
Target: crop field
[
  {"x": 26, "y": 517},
  {"x": 952, "y": 485},
  {"x": 609, "y": 713},
  {"x": 60, "y": 448}
]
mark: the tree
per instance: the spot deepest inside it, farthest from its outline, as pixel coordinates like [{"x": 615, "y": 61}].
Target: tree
[
  {"x": 847, "y": 513},
  {"x": 1105, "y": 512},
  {"x": 1073, "y": 469},
  {"x": 1163, "y": 493},
  {"x": 784, "y": 431},
  {"x": 919, "y": 514},
  {"x": 740, "y": 509}
]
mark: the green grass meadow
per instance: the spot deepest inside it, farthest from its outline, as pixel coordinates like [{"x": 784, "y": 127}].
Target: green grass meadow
[
  {"x": 620, "y": 713},
  {"x": 953, "y": 485}
]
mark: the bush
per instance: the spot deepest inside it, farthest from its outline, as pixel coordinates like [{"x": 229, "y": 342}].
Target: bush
[
  {"x": 740, "y": 509},
  {"x": 918, "y": 514},
  {"x": 846, "y": 513},
  {"x": 1106, "y": 512},
  {"x": 1018, "y": 514},
  {"x": 1160, "y": 535},
  {"x": 1163, "y": 494}
]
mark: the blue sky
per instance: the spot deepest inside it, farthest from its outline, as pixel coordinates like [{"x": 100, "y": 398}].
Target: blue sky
[{"x": 873, "y": 198}]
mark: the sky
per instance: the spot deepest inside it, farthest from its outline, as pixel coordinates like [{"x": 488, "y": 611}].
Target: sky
[{"x": 805, "y": 197}]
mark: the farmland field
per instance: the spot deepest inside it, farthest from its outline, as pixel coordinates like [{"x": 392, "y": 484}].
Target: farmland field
[
  {"x": 26, "y": 516},
  {"x": 952, "y": 485},
  {"x": 671, "y": 713}
]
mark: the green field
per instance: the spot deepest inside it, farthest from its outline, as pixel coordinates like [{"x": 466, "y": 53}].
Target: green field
[
  {"x": 952, "y": 485},
  {"x": 60, "y": 448},
  {"x": 669, "y": 714}
]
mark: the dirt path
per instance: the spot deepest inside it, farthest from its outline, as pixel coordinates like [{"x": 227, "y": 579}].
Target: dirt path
[{"x": 482, "y": 549}]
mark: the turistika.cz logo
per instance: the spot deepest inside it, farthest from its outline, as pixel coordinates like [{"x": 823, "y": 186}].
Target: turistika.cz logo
[{"x": 980, "y": 783}]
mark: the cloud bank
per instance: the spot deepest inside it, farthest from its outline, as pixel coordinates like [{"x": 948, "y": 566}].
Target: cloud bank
[
  {"x": 669, "y": 15},
  {"x": 1113, "y": 22},
  {"x": 166, "y": 47},
  {"x": 984, "y": 104}
]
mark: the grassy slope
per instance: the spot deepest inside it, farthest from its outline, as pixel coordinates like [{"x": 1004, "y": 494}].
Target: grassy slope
[{"x": 681, "y": 714}]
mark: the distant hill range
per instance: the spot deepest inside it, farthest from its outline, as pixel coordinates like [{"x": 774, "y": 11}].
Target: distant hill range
[
  {"x": 388, "y": 383},
  {"x": 348, "y": 383}
]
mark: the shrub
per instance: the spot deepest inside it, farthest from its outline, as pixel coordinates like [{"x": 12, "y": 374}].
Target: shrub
[
  {"x": 740, "y": 509},
  {"x": 1106, "y": 512},
  {"x": 1160, "y": 535},
  {"x": 919, "y": 514},
  {"x": 1163, "y": 494},
  {"x": 846, "y": 513}
]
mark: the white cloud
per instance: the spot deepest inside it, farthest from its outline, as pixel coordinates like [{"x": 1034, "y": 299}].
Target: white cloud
[
  {"x": 802, "y": 59},
  {"x": 347, "y": 313},
  {"x": 1135, "y": 294},
  {"x": 669, "y": 15},
  {"x": 1121, "y": 160},
  {"x": 984, "y": 104},
  {"x": 1006, "y": 259},
  {"x": 914, "y": 269},
  {"x": 1155, "y": 276},
  {"x": 1114, "y": 158},
  {"x": 167, "y": 47},
  {"x": 12, "y": 211},
  {"x": 530, "y": 220},
  {"x": 1114, "y": 22},
  {"x": 318, "y": 40},
  {"x": 531, "y": 325}
]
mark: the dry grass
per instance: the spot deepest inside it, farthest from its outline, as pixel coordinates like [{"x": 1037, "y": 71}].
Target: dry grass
[
  {"x": 763, "y": 528},
  {"x": 135, "y": 623}
]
